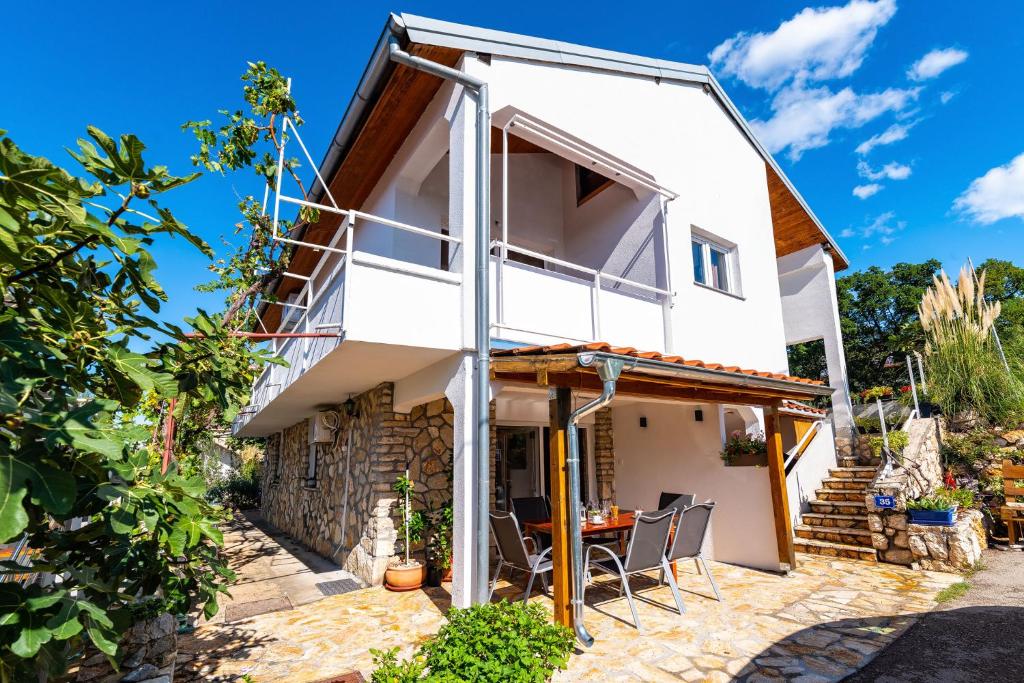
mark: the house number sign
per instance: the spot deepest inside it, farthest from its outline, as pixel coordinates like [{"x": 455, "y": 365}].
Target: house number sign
[{"x": 885, "y": 502}]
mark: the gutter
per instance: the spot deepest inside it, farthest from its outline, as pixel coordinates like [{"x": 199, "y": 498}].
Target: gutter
[
  {"x": 608, "y": 369},
  {"x": 481, "y": 305}
]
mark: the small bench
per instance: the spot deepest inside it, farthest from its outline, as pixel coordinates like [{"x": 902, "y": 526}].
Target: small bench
[{"x": 1013, "y": 490}]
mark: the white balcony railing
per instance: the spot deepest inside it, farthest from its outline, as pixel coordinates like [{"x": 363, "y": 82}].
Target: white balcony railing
[
  {"x": 576, "y": 303},
  {"x": 325, "y": 303}
]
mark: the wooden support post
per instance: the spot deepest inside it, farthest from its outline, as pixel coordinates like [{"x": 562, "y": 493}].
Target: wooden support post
[
  {"x": 559, "y": 408},
  {"x": 777, "y": 484}
]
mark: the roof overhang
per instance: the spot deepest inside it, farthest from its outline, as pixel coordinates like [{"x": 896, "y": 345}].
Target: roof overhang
[{"x": 653, "y": 378}]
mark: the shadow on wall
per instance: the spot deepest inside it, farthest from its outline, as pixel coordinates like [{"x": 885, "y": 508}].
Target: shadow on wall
[{"x": 966, "y": 644}]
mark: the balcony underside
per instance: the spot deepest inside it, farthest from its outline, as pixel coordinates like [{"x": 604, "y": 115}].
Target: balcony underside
[{"x": 352, "y": 368}]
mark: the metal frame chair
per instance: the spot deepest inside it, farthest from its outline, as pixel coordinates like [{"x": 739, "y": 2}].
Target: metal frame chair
[
  {"x": 511, "y": 545},
  {"x": 533, "y": 508},
  {"x": 646, "y": 552},
  {"x": 688, "y": 542},
  {"x": 679, "y": 501}
]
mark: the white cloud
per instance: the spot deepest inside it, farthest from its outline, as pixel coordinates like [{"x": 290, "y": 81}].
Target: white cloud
[
  {"x": 935, "y": 62},
  {"x": 894, "y": 133},
  {"x": 947, "y": 95},
  {"x": 891, "y": 171},
  {"x": 803, "y": 119},
  {"x": 865, "y": 191},
  {"x": 814, "y": 45},
  {"x": 996, "y": 195},
  {"x": 883, "y": 227}
]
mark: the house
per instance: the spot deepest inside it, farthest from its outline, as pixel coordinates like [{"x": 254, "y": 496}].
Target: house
[{"x": 626, "y": 221}]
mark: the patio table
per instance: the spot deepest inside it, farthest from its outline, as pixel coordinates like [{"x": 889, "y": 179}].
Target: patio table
[{"x": 620, "y": 525}]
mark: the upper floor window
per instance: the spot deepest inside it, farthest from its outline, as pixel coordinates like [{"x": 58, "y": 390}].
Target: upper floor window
[{"x": 714, "y": 264}]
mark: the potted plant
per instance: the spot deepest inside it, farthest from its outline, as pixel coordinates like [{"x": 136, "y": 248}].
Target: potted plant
[
  {"x": 939, "y": 509},
  {"x": 439, "y": 547},
  {"x": 407, "y": 575},
  {"x": 745, "y": 450}
]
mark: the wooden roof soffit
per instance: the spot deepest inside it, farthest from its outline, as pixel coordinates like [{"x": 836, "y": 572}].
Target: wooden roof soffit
[{"x": 793, "y": 227}]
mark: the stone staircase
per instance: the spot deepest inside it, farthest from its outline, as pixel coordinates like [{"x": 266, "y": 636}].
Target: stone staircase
[{"x": 837, "y": 525}]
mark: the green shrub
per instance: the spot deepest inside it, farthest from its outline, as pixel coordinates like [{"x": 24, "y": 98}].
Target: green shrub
[
  {"x": 898, "y": 441},
  {"x": 970, "y": 447},
  {"x": 237, "y": 491},
  {"x": 492, "y": 642},
  {"x": 872, "y": 425}
]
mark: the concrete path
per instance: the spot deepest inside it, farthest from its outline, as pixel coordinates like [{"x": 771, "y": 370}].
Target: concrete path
[
  {"x": 274, "y": 572},
  {"x": 977, "y": 637}
]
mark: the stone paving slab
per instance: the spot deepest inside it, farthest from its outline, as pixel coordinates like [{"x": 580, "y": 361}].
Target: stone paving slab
[{"x": 819, "y": 624}]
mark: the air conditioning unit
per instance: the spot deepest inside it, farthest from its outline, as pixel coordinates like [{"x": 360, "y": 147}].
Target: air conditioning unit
[{"x": 325, "y": 426}]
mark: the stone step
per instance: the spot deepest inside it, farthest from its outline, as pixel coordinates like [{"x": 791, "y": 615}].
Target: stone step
[
  {"x": 830, "y": 549},
  {"x": 846, "y": 484},
  {"x": 854, "y": 472},
  {"x": 859, "y": 537},
  {"x": 839, "y": 507},
  {"x": 835, "y": 520},
  {"x": 849, "y": 462},
  {"x": 839, "y": 494}
]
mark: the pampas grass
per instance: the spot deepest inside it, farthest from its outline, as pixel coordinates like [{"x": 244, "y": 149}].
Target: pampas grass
[{"x": 966, "y": 376}]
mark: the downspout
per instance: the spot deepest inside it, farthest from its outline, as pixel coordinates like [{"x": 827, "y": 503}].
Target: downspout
[
  {"x": 608, "y": 369},
  {"x": 482, "y": 340}
]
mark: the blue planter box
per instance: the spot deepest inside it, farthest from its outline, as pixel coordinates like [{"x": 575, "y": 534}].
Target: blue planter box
[{"x": 933, "y": 517}]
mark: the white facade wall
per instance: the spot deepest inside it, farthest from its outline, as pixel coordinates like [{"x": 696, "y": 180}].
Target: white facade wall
[
  {"x": 685, "y": 139},
  {"x": 677, "y": 454}
]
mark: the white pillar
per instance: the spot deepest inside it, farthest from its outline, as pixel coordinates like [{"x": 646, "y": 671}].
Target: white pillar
[
  {"x": 810, "y": 311},
  {"x": 461, "y": 115},
  {"x": 460, "y": 393}
]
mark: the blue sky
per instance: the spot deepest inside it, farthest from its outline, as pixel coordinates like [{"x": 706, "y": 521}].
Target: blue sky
[{"x": 818, "y": 81}]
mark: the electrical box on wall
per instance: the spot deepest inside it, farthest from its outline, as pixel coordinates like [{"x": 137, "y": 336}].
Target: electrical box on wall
[{"x": 325, "y": 424}]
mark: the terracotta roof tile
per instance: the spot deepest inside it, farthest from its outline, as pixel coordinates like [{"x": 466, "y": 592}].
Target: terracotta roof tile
[
  {"x": 803, "y": 408},
  {"x": 564, "y": 348}
]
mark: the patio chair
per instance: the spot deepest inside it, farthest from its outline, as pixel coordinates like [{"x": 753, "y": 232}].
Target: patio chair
[
  {"x": 688, "y": 542},
  {"x": 646, "y": 552},
  {"x": 531, "y": 509},
  {"x": 679, "y": 501},
  {"x": 512, "y": 552}
]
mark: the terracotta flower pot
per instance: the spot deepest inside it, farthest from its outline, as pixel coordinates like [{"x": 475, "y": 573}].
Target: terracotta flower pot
[{"x": 403, "y": 577}]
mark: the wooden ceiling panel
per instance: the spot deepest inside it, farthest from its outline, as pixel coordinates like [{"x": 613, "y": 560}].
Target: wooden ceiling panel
[
  {"x": 402, "y": 102},
  {"x": 793, "y": 227}
]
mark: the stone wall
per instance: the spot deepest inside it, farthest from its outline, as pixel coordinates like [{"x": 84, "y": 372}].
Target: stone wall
[
  {"x": 949, "y": 549},
  {"x": 919, "y": 474},
  {"x": 853, "y": 446},
  {"x": 384, "y": 443},
  {"x": 150, "y": 648},
  {"x": 604, "y": 454}
]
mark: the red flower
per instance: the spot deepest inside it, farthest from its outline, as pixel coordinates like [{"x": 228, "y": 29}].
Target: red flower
[
  {"x": 905, "y": 388},
  {"x": 949, "y": 480}
]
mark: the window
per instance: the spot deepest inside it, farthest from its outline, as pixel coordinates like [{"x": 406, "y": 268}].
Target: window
[
  {"x": 589, "y": 184},
  {"x": 714, "y": 264}
]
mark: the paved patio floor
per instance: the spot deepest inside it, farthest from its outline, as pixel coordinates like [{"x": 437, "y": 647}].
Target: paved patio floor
[{"x": 820, "y": 623}]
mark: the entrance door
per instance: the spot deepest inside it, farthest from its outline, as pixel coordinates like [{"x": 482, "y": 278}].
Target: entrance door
[{"x": 516, "y": 465}]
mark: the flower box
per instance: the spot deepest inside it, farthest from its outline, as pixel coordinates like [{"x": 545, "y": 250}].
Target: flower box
[
  {"x": 933, "y": 517},
  {"x": 748, "y": 460}
]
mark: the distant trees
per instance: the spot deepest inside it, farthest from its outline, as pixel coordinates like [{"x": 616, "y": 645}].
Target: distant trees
[{"x": 878, "y": 311}]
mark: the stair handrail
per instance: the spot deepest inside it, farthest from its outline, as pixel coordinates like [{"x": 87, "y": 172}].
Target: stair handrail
[{"x": 796, "y": 451}]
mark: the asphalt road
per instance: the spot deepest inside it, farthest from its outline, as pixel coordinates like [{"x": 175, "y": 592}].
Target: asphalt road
[{"x": 977, "y": 637}]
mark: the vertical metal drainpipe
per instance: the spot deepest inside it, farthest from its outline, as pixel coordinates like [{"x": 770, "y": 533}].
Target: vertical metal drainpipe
[
  {"x": 608, "y": 370},
  {"x": 482, "y": 340}
]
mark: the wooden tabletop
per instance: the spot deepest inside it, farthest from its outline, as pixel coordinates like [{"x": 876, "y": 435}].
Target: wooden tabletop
[{"x": 623, "y": 522}]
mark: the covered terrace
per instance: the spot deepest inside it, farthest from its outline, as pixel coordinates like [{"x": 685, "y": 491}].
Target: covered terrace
[{"x": 598, "y": 374}]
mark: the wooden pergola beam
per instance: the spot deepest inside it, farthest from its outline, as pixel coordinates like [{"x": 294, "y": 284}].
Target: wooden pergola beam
[
  {"x": 777, "y": 484},
  {"x": 585, "y": 379},
  {"x": 559, "y": 408}
]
